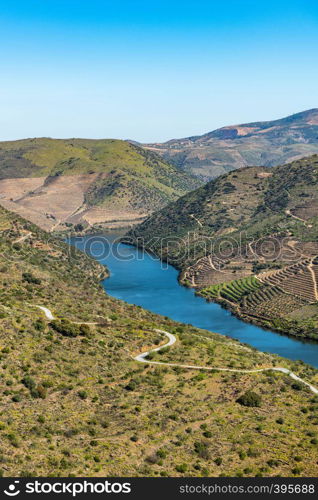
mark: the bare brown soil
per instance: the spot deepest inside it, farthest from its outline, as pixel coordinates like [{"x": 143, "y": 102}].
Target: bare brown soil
[{"x": 50, "y": 203}]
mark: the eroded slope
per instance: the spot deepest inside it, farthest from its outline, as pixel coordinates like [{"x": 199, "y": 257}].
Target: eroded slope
[{"x": 61, "y": 183}]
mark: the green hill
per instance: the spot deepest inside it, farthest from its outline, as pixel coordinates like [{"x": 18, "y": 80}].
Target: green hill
[
  {"x": 53, "y": 181},
  {"x": 74, "y": 402},
  {"x": 248, "y": 221},
  {"x": 266, "y": 143}
]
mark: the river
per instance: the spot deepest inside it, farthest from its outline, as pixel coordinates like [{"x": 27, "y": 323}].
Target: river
[{"x": 141, "y": 279}]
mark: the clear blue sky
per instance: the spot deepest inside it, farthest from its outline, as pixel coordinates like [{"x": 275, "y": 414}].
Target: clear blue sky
[{"x": 153, "y": 70}]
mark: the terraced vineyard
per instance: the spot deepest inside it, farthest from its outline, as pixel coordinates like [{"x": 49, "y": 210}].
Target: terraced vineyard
[
  {"x": 298, "y": 279},
  {"x": 212, "y": 270},
  {"x": 270, "y": 301},
  {"x": 274, "y": 298},
  {"x": 234, "y": 291},
  {"x": 314, "y": 267}
]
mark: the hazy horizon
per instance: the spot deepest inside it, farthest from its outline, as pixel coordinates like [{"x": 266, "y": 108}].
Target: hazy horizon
[{"x": 143, "y": 142}]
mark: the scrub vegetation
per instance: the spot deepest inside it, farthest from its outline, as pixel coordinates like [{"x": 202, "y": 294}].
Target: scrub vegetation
[{"x": 75, "y": 402}]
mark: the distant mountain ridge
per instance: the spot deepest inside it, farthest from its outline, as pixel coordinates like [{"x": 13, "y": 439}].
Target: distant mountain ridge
[
  {"x": 57, "y": 182},
  {"x": 267, "y": 143}
]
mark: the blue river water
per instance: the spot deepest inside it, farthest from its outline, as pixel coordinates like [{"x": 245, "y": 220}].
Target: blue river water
[{"x": 139, "y": 278}]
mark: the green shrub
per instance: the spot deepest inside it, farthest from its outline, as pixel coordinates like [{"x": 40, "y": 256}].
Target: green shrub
[
  {"x": 39, "y": 392},
  {"x": 65, "y": 327},
  {"x": 181, "y": 468},
  {"x": 201, "y": 448},
  {"x": 297, "y": 386},
  {"x": 84, "y": 330},
  {"x": 131, "y": 386},
  {"x": 82, "y": 394},
  {"x": 39, "y": 325},
  {"x": 250, "y": 398},
  {"x": 16, "y": 398},
  {"x": 296, "y": 471},
  {"x": 29, "y": 382},
  {"x": 161, "y": 453},
  {"x": 272, "y": 463},
  {"x": 13, "y": 440},
  {"x": 30, "y": 278},
  {"x": 207, "y": 434}
]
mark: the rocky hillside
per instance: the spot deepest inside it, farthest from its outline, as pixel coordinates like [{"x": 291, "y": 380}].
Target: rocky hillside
[
  {"x": 248, "y": 222},
  {"x": 260, "y": 143},
  {"x": 60, "y": 183},
  {"x": 76, "y": 403}
]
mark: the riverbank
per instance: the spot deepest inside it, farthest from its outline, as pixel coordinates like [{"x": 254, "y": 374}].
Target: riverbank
[
  {"x": 140, "y": 278},
  {"x": 277, "y": 324}
]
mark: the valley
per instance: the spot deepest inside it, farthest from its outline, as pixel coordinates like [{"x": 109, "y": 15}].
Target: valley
[
  {"x": 76, "y": 402},
  {"x": 90, "y": 386},
  {"x": 247, "y": 240},
  {"x": 133, "y": 273}
]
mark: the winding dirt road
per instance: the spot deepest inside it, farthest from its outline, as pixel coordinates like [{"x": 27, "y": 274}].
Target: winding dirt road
[
  {"x": 288, "y": 212},
  {"x": 47, "y": 312},
  {"x": 22, "y": 238},
  {"x": 142, "y": 358},
  {"x": 50, "y": 317},
  {"x": 172, "y": 339}
]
